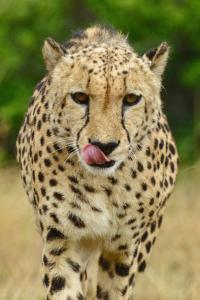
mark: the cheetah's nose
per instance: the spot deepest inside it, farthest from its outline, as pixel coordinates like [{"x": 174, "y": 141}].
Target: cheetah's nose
[{"x": 106, "y": 148}]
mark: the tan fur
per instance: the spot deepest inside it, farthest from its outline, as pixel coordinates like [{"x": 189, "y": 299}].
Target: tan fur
[{"x": 98, "y": 225}]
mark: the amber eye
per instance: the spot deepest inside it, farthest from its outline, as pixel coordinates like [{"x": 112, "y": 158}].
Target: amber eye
[
  {"x": 80, "y": 98},
  {"x": 131, "y": 99}
]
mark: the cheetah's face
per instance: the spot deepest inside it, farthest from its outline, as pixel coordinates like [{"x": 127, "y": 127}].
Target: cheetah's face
[{"x": 107, "y": 98}]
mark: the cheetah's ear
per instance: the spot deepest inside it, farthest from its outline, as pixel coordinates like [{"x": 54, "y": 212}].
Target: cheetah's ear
[
  {"x": 52, "y": 51},
  {"x": 157, "y": 58}
]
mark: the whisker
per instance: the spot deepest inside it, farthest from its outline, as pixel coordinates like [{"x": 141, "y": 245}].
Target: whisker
[
  {"x": 70, "y": 155},
  {"x": 61, "y": 148}
]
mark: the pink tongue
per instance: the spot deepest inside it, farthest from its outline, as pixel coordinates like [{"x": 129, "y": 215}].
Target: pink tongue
[{"x": 93, "y": 155}]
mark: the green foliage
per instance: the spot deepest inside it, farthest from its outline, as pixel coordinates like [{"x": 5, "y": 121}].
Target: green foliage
[{"x": 25, "y": 24}]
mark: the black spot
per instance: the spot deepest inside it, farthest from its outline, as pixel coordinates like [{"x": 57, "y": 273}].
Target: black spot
[
  {"x": 142, "y": 266},
  {"x": 104, "y": 263},
  {"x": 135, "y": 252},
  {"x": 43, "y": 191},
  {"x": 42, "y": 141},
  {"x": 158, "y": 194},
  {"x": 108, "y": 191},
  {"x": 162, "y": 158},
  {"x": 61, "y": 168},
  {"x": 161, "y": 145},
  {"x": 166, "y": 161},
  {"x": 122, "y": 269},
  {"x": 151, "y": 213},
  {"x": 57, "y": 284},
  {"x": 58, "y": 196},
  {"x": 148, "y": 152},
  {"x": 148, "y": 246},
  {"x": 134, "y": 174},
  {"x": 116, "y": 237},
  {"x": 75, "y": 190},
  {"x": 172, "y": 149},
  {"x": 76, "y": 220},
  {"x": 140, "y": 167},
  {"x": 142, "y": 224},
  {"x": 47, "y": 162},
  {"x": 99, "y": 292},
  {"x": 155, "y": 144},
  {"x": 131, "y": 221},
  {"x": 74, "y": 265},
  {"x": 144, "y": 236},
  {"x": 166, "y": 183},
  {"x": 54, "y": 218},
  {"x": 57, "y": 251},
  {"x": 48, "y": 133},
  {"x": 53, "y": 182},
  {"x": 46, "y": 280},
  {"x": 153, "y": 181},
  {"x": 96, "y": 209},
  {"x": 127, "y": 187},
  {"x": 80, "y": 296},
  {"x": 39, "y": 125},
  {"x": 44, "y": 118},
  {"x": 73, "y": 179},
  {"x": 144, "y": 186},
  {"x": 113, "y": 180},
  {"x": 35, "y": 157},
  {"x": 140, "y": 256},
  {"x": 45, "y": 260},
  {"x": 171, "y": 180},
  {"x": 137, "y": 195},
  {"x": 153, "y": 227},
  {"x": 131, "y": 279},
  {"x": 123, "y": 247},
  {"x": 89, "y": 189},
  {"x": 141, "y": 210},
  {"x": 54, "y": 234},
  {"x": 41, "y": 226},
  {"x": 121, "y": 166},
  {"x": 55, "y": 157},
  {"x": 124, "y": 290},
  {"x": 126, "y": 206},
  {"x": 135, "y": 234},
  {"x": 160, "y": 221},
  {"x": 149, "y": 165},
  {"x": 41, "y": 177},
  {"x": 57, "y": 148},
  {"x": 45, "y": 208}
]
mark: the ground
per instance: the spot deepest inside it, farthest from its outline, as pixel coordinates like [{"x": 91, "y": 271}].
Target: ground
[{"x": 174, "y": 267}]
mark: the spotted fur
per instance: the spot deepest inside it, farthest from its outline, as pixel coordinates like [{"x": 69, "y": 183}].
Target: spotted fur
[{"x": 98, "y": 225}]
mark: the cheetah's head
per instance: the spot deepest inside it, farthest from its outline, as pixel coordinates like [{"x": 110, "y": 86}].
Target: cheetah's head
[{"x": 105, "y": 99}]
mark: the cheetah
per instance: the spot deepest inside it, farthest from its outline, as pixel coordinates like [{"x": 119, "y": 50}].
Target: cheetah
[{"x": 98, "y": 163}]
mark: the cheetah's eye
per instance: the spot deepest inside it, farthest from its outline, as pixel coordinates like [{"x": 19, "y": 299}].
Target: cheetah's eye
[
  {"x": 131, "y": 99},
  {"x": 80, "y": 98}
]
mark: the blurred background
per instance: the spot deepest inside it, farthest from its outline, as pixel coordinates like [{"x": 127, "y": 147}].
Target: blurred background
[{"x": 173, "y": 272}]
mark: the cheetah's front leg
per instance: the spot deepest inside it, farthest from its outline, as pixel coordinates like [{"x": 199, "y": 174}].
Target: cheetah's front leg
[
  {"x": 62, "y": 267},
  {"x": 116, "y": 276}
]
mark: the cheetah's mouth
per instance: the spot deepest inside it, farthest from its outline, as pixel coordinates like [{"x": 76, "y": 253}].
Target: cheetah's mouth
[
  {"x": 103, "y": 166},
  {"x": 94, "y": 157}
]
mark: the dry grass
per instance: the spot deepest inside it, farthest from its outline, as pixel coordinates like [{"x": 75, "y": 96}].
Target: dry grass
[{"x": 174, "y": 267}]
